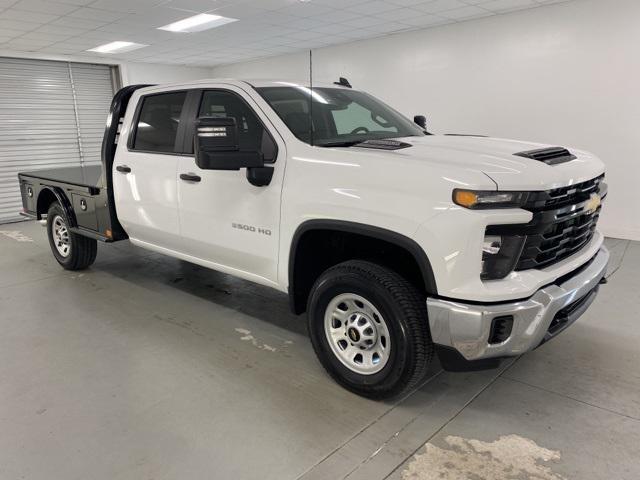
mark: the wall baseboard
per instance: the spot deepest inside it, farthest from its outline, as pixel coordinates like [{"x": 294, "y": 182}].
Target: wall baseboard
[{"x": 623, "y": 233}]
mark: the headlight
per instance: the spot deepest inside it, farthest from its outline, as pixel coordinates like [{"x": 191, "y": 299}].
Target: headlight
[
  {"x": 488, "y": 199},
  {"x": 500, "y": 255}
]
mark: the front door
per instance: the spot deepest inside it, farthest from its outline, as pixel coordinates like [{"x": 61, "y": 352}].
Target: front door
[{"x": 225, "y": 221}]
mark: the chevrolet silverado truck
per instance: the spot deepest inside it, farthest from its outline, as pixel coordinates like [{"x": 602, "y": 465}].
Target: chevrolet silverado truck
[{"x": 399, "y": 244}]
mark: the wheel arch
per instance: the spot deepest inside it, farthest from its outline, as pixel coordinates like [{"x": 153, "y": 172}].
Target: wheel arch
[
  {"x": 49, "y": 195},
  {"x": 301, "y": 281}
]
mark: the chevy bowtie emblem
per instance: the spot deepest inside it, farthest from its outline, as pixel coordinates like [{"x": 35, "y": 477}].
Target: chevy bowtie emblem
[{"x": 593, "y": 203}]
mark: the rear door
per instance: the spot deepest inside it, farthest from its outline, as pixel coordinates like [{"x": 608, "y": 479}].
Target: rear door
[
  {"x": 226, "y": 222},
  {"x": 144, "y": 170}
]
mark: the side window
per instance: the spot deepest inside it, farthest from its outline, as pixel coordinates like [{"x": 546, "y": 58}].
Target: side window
[
  {"x": 252, "y": 136},
  {"x": 158, "y": 122}
]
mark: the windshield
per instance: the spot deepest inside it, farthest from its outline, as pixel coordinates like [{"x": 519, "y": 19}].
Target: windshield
[{"x": 340, "y": 116}]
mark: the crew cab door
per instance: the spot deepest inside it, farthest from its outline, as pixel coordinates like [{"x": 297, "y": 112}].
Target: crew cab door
[
  {"x": 226, "y": 221},
  {"x": 144, "y": 170}
]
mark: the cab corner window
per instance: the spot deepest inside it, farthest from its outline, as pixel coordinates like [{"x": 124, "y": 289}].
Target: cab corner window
[{"x": 157, "y": 124}]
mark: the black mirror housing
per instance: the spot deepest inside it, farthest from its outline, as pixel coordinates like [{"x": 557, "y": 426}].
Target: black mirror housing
[
  {"x": 217, "y": 146},
  {"x": 421, "y": 121}
]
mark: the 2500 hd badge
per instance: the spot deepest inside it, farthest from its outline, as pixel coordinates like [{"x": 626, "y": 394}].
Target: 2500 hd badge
[{"x": 251, "y": 228}]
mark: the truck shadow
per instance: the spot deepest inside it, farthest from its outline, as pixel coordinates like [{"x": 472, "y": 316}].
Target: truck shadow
[{"x": 155, "y": 271}]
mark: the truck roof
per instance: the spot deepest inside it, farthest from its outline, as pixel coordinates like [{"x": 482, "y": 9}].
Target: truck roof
[{"x": 257, "y": 83}]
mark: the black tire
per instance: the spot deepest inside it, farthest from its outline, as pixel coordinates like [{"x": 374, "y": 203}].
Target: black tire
[
  {"x": 405, "y": 315},
  {"x": 82, "y": 250}
]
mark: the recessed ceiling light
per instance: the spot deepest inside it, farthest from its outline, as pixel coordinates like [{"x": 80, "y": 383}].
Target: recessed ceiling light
[
  {"x": 197, "y": 23},
  {"x": 117, "y": 47}
]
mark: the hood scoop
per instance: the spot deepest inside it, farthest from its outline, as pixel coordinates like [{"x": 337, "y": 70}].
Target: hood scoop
[{"x": 550, "y": 156}]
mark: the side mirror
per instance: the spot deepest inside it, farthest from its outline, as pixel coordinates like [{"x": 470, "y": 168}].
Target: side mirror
[
  {"x": 421, "y": 121},
  {"x": 217, "y": 146}
]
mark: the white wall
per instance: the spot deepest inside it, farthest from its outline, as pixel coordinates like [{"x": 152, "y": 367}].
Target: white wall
[
  {"x": 131, "y": 72},
  {"x": 565, "y": 74},
  {"x": 153, "y": 73}
]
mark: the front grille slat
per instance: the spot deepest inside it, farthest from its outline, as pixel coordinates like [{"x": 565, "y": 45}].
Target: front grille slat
[{"x": 564, "y": 226}]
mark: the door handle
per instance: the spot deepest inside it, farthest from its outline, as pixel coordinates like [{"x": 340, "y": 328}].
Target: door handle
[
  {"x": 190, "y": 177},
  {"x": 123, "y": 169}
]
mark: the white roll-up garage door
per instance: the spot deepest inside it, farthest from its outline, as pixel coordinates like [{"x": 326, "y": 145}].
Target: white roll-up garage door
[{"x": 52, "y": 114}]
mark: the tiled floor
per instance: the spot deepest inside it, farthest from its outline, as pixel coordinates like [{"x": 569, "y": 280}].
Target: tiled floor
[{"x": 145, "y": 367}]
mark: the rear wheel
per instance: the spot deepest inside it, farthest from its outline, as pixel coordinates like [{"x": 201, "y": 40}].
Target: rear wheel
[
  {"x": 72, "y": 251},
  {"x": 369, "y": 328}
]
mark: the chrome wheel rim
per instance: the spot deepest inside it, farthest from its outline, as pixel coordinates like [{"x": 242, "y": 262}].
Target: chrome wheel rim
[
  {"x": 60, "y": 234},
  {"x": 357, "y": 333}
]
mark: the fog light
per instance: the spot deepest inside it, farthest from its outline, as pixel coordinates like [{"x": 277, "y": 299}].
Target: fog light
[
  {"x": 491, "y": 245},
  {"x": 500, "y": 255}
]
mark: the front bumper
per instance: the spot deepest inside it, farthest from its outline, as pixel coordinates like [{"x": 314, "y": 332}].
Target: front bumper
[{"x": 466, "y": 329}]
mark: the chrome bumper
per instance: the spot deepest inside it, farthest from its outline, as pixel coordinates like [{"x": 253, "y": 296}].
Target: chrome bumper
[{"x": 467, "y": 327}]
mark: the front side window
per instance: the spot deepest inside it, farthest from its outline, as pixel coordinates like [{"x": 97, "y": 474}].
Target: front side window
[
  {"x": 334, "y": 116},
  {"x": 158, "y": 122},
  {"x": 252, "y": 135}
]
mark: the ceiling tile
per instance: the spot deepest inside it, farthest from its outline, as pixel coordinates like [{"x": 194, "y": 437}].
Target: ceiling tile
[
  {"x": 399, "y": 14},
  {"x": 340, "y": 3},
  {"x": 426, "y": 20},
  {"x": 60, "y": 30},
  {"x": 366, "y": 21},
  {"x": 306, "y": 9},
  {"x": 373, "y": 7},
  {"x": 333, "y": 28},
  {"x": 265, "y": 27},
  {"x": 77, "y": 3},
  {"x": 97, "y": 14},
  {"x": 24, "y": 16},
  {"x": 437, "y": 6},
  {"x": 44, "y": 38},
  {"x": 17, "y": 25},
  {"x": 126, "y": 6},
  {"x": 9, "y": 33},
  {"x": 502, "y": 6},
  {"x": 79, "y": 23},
  {"x": 465, "y": 13},
  {"x": 195, "y": 6},
  {"x": 239, "y": 11},
  {"x": 42, "y": 6},
  {"x": 407, "y": 3}
]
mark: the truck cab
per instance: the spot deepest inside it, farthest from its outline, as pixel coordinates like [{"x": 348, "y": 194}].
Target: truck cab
[{"x": 399, "y": 244}]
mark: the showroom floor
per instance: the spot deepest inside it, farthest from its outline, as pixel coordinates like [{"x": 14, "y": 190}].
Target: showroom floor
[{"x": 145, "y": 367}]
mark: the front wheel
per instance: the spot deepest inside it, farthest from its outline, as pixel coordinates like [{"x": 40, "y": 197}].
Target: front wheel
[
  {"x": 72, "y": 251},
  {"x": 369, "y": 328}
]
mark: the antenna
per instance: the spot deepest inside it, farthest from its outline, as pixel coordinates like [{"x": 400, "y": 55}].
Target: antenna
[{"x": 311, "y": 97}]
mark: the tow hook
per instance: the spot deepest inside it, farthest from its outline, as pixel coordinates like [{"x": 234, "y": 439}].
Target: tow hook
[{"x": 603, "y": 281}]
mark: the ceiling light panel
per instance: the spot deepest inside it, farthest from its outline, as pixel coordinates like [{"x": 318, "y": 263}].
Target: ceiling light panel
[
  {"x": 117, "y": 47},
  {"x": 197, "y": 23}
]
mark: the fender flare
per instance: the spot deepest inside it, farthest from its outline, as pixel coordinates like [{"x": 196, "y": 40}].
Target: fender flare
[
  {"x": 63, "y": 201},
  {"x": 379, "y": 233}
]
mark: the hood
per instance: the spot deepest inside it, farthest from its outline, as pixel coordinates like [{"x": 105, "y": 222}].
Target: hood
[{"x": 495, "y": 157}]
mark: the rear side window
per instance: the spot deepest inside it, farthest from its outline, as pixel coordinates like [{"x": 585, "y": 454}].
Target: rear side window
[{"x": 158, "y": 122}]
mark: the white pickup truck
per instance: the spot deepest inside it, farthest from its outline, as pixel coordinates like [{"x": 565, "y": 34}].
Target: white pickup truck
[{"x": 398, "y": 243}]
